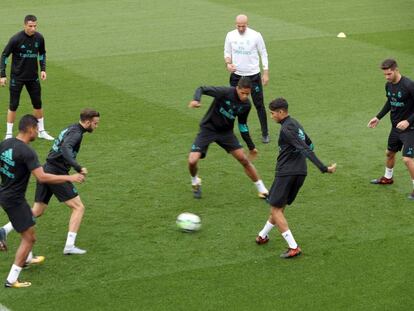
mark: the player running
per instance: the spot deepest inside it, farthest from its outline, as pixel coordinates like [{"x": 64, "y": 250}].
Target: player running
[
  {"x": 61, "y": 158},
  {"x": 17, "y": 161}
]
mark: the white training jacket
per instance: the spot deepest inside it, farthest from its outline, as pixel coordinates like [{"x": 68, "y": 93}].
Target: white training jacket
[{"x": 244, "y": 51}]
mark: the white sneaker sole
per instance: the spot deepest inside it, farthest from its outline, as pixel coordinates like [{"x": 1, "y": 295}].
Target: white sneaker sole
[{"x": 75, "y": 251}]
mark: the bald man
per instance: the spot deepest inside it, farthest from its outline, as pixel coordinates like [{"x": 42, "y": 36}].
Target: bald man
[{"x": 242, "y": 49}]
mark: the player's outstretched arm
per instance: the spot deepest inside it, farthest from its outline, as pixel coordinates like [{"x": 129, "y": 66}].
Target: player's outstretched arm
[
  {"x": 78, "y": 178},
  {"x": 46, "y": 178}
]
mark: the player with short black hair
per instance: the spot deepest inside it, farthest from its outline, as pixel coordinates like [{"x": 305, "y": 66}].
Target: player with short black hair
[
  {"x": 389, "y": 63},
  {"x": 399, "y": 91},
  {"x": 28, "y": 49},
  {"x": 17, "y": 161},
  {"x": 217, "y": 126},
  {"x": 295, "y": 147},
  {"x": 30, "y": 18}
]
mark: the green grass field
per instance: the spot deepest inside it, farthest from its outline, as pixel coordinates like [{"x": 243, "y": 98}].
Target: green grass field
[{"x": 138, "y": 63}]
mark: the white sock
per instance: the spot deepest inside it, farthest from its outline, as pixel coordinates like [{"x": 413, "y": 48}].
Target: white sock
[
  {"x": 14, "y": 274},
  {"x": 388, "y": 172},
  {"x": 288, "y": 236},
  {"x": 195, "y": 180},
  {"x": 9, "y": 128},
  {"x": 8, "y": 227},
  {"x": 70, "y": 241},
  {"x": 260, "y": 186},
  {"x": 41, "y": 124},
  {"x": 29, "y": 257},
  {"x": 413, "y": 183},
  {"x": 266, "y": 229}
]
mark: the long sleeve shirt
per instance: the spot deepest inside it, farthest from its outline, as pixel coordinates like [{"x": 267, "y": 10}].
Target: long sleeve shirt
[
  {"x": 65, "y": 148},
  {"x": 224, "y": 110},
  {"x": 294, "y": 147},
  {"x": 27, "y": 51},
  {"x": 400, "y": 102},
  {"x": 244, "y": 50}
]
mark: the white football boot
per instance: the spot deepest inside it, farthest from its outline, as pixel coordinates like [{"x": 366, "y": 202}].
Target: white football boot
[
  {"x": 44, "y": 135},
  {"x": 73, "y": 251}
]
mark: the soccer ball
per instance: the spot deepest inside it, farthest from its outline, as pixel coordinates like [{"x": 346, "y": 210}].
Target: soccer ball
[{"x": 188, "y": 222}]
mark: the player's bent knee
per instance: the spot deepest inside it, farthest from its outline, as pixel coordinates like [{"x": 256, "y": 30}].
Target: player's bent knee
[
  {"x": 38, "y": 209},
  {"x": 193, "y": 159},
  {"x": 33, "y": 239},
  {"x": 278, "y": 209},
  {"x": 75, "y": 204},
  {"x": 390, "y": 154},
  {"x": 192, "y": 162},
  {"x": 37, "y": 213},
  {"x": 240, "y": 156},
  {"x": 30, "y": 238},
  {"x": 78, "y": 207},
  {"x": 407, "y": 160}
]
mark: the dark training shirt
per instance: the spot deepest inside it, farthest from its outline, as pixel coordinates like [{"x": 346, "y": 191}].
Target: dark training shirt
[
  {"x": 62, "y": 156},
  {"x": 223, "y": 111},
  {"x": 294, "y": 147},
  {"x": 26, "y": 51},
  {"x": 17, "y": 161},
  {"x": 400, "y": 101}
]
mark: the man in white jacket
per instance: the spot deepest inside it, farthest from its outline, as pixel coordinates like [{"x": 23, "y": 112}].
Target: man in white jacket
[{"x": 243, "y": 50}]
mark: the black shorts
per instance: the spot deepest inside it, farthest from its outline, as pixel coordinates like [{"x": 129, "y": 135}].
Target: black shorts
[
  {"x": 404, "y": 140},
  {"x": 63, "y": 192},
  {"x": 284, "y": 190},
  {"x": 20, "y": 214},
  {"x": 226, "y": 140},
  {"x": 33, "y": 88}
]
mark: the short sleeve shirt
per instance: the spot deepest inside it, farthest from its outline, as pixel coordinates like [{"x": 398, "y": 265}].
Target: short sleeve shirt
[{"x": 17, "y": 161}]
